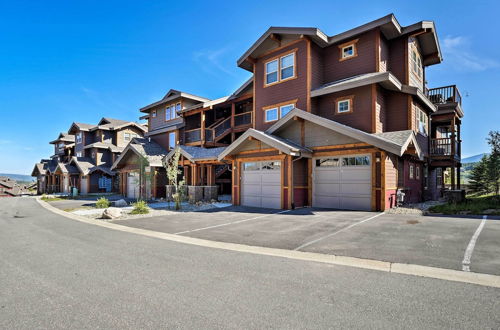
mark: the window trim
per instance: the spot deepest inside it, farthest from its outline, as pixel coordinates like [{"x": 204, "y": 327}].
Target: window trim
[
  {"x": 352, "y": 43},
  {"x": 417, "y": 172},
  {"x": 278, "y": 106},
  {"x": 418, "y": 113},
  {"x": 277, "y": 114},
  {"x": 278, "y": 58},
  {"x": 349, "y": 98},
  {"x": 170, "y": 107},
  {"x": 411, "y": 173},
  {"x": 419, "y": 73},
  {"x": 153, "y": 113}
]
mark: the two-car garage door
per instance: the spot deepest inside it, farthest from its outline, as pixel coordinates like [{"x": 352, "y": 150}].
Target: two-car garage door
[
  {"x": 261, "y": 184},
  {"x": 342, "y": 182}
]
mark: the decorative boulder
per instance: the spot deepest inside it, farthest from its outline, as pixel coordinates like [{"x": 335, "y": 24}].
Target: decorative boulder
[
  {"x": 120, "y": 203},
  {"x": 111, "y": 213}
]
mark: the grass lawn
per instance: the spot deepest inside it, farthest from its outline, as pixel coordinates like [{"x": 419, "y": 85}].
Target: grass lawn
[
  {"x": 471, "y": 205},
  {"x": 52, "y": 199}
]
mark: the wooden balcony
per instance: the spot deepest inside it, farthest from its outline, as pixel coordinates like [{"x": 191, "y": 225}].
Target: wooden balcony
[
  {"x": 445, "y": 148},
  {"x": 192, "y": 135},
  {"x": 443, "y": 95}
]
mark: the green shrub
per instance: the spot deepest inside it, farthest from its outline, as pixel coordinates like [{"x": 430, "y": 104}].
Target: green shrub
[
  {"x": 474, "y": 205},
  {"x": 140, "y": 207},
  {"x": 102, "y": 203},
  {"x": 47, "y": 198}
]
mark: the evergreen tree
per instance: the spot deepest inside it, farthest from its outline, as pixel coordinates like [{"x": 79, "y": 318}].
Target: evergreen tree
[
  {"x": 478, "y": 179},
  {"x": 493, "y": 163}
]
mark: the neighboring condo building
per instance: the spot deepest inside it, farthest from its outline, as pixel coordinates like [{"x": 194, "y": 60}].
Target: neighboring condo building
[{"x": 83, "y": 157}]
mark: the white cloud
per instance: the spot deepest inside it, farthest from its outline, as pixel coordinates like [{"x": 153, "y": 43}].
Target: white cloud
[
  {"x": 458, "y": 52},
  {"x": 209, "y": 60}
]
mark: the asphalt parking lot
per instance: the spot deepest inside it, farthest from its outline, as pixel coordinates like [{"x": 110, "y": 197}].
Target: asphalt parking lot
[{"x": 423, "y": 240}]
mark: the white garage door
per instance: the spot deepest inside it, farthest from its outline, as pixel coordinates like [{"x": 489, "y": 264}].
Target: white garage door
[
  {"x": 133, "y": 185},
  {"x": 261, "y": 184},
  {"x": 342, "y": 182}
]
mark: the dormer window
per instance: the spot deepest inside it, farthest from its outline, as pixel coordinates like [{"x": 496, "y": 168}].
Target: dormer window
[
  {"x": 126, "y": 136},
  {"x": 153, "y": 113},
  {"x": 348, "y": 50},
  {"x": 79, "y": 137},
  {"x": 280, "y": 69}
]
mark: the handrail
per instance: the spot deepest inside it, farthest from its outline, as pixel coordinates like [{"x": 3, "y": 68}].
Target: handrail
[
  {"x": 223, "y": 124},
  {"x": 215, "y": 123},
  {"x": 444, "y": 94}
]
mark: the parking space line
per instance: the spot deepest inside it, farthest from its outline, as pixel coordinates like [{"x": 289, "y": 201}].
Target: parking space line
[
  {"x": 335, "y": 233},
  {"x": 472, "y": 244},
  {"x": 229, "y": 223}
]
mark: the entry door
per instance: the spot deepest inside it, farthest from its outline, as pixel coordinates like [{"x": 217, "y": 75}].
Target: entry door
[
  {"x": 261, "y": 184},
  {"x": 342, "y": 182},
  {"x": 133, "y": 185}
]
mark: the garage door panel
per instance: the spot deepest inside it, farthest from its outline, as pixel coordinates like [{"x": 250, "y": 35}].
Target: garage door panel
[
  {"x": 344, "y": 185},
  {"x": 262, "y": 187}
]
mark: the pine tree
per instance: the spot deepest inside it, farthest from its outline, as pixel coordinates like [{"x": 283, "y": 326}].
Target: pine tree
[
  {"x": 478, "y": 178},
  {"x": 493, "y": 164}
]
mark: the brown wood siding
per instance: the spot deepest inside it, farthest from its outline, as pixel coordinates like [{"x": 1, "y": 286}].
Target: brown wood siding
[
  {"x": 384, "y": 54},
  {"x": 316, "y": 66},
  {"x": 360, "y": 117},
  {"x": 380, "y": 114},
  {"x": 161, "y": 139},
  {"x": 284, "y": 91},
  {"x": 365, "y": 62},
  {"x": 396, "y": 111},
  {"x": 397, "y": 60},
  {"x": 391, "y": 172}
]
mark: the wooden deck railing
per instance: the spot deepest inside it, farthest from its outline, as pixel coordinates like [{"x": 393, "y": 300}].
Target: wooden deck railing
[
  {"x": 192, "y": 135},
  {"x": 445, "y": 94},
  {"x": 243, "y": 119},
  {"x": 445, "y": 147}
]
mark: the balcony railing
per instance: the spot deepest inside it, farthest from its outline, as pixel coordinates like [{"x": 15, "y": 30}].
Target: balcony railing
[
  {"x": 445, "y": 147},
  {"x": 243, "y": 119},
  {"x": 193, "y": 135},
  {"x": 445, "y": 94}
]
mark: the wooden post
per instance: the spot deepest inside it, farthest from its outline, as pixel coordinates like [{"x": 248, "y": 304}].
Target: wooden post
[
  {"x": 458, "y": 176},
  {"x": 210, "y": 175},
  {"x": 202, "y": 116},
  {"x": 453, "y": 177},
  {"x": 453, "y": 138},
  {"x": 233, "y": 113}
]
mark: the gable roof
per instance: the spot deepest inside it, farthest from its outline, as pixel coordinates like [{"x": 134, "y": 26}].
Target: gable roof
[
  {"x": 196, "y": 153},
  {"x": 389, "y": 26},
  {"x": 39, "y": 168},
  {"x": 80, "y": 127},
  {"x": 104, "y": 145},
  {"x": 390, "y": 141},
  {"x": 67, "y": 168},
  {"x": 64, "y": 137},
  {"x": 110, "y": 124},
  {"x": 86, "y": 166},
  {"x": 283, "y": 145},
  {"x": 146, "y": 148},
  {"x": 172, "y": 95}
]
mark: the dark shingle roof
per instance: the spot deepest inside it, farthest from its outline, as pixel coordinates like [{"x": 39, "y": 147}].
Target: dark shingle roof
[{"x": 398, "y": 137}]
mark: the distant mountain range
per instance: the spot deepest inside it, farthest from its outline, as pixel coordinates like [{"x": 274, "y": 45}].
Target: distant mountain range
[
  {"x": 19, "y": 177},
  {"x": 473, "y": 159}
]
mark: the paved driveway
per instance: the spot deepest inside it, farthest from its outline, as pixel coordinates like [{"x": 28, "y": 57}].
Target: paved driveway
[{"x": 424, "y": 240}]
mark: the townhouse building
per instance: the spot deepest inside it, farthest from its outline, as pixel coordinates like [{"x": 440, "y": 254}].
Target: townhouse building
[
  {"x": 343, "y": 121},
  {"x": 83, "y": 157}
]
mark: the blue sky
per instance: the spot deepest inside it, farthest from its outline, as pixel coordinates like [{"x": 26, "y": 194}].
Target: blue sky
[{"x": 65, "y": 61}]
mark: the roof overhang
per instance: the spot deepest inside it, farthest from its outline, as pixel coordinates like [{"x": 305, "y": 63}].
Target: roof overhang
[
  {"x": 173, "y": 95},
  {"x": 425, "y": 33},
  {"x": 281, "y": 145}
]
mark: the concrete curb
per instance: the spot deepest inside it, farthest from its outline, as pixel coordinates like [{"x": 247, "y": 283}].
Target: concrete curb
[{"x": 385, "y": 266}]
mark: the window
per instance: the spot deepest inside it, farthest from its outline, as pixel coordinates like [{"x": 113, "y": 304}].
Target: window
[
  {"x": 328, "y": 162},
  {"x": 439, "y": 177},
  {"x": 411, "y": 171},
  {"x": 171, "y": 111},
  {"x": 416, "y": 63},
  {"x": 417, "y": 172},
  {"x": 348, "y": 50},
  {"x": 251, "y": 166},
  {"x": 271, "y": 72},
  {"x": 271, "y": 114},
  {"x": 356, "y": 161},
  {"x": 79, "y": 154},
  {"x": 284, "y": 109},
  {"x": 171, "y": 140},
  {"x": 153, "y": 113},
  {"x": 422, "y": 121},
  {"x": 93, "y": 154},
  {"x": 177, "y": 108},
  {"x": 344, "y": 105},
  {"x": 280, "y": 69},
  {"x": 287, "y": 66},
  {"x": 271, "y": 165},
  {"x": 126, "y": 136},
  {"x": 79, "y": 137}
]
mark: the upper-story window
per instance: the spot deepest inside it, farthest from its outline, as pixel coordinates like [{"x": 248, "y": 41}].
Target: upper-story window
[
  {"x": 280, "y": 69},
  {"x": 411, "y": 171},
  {"x": 344, "y": 104},
  {"x": 172, "y": 140},
  {"x": 126, "y": 136},
  {"x": 78, "y": 154},
  {"x": 422, "y": 121},
  {"x": 153, "y": 113},
  {"x": 416, "y": 63},
  {"x": 275, "y": 112},
  {"x": 348, "y": 50},
  {"x": 171, "y": 111},
  {"x": 79, "y": 137}
]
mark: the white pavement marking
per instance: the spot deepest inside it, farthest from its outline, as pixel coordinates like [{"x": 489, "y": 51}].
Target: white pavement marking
[
  {"x": 472, "y": 244},
  {"x": 384, "y": 266},
  {"x": 229, "y": 223},
  {"x": 335, "y": 233}
]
